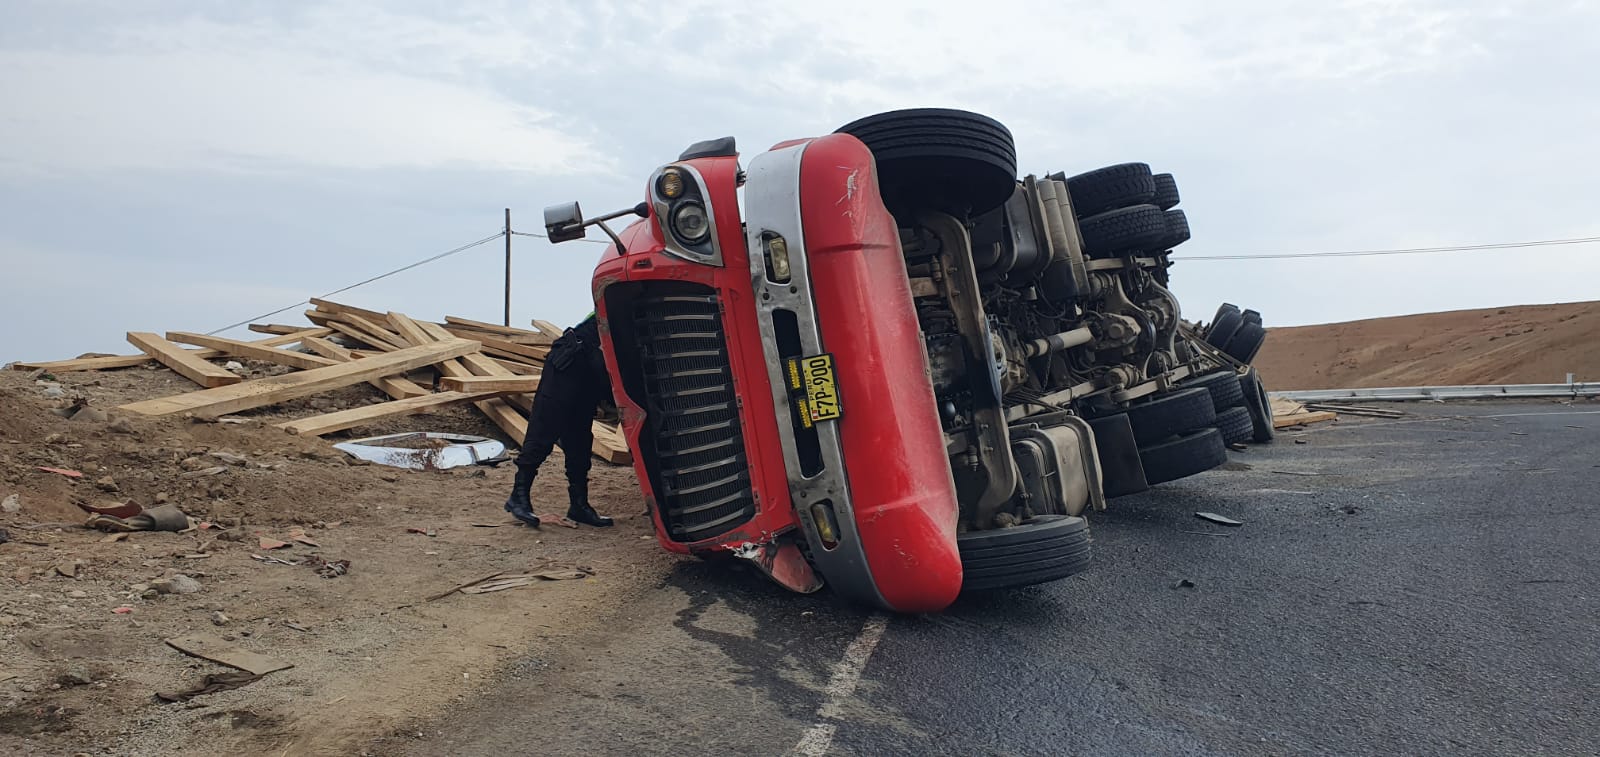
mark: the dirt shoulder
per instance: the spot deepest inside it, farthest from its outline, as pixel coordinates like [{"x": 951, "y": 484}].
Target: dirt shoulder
[
  {"x": 1534, "y": 344},
  {"x": 85, "y": 628}
]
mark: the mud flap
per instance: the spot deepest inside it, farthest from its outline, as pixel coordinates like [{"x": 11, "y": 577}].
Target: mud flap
[{"x": 783, "y": 562}]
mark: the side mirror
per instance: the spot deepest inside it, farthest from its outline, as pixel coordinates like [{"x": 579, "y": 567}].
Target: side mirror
[{"x": 563, "y": 223}]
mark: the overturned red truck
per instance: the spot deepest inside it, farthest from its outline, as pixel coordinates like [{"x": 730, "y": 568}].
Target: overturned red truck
[{"x": 878, "y": 360}]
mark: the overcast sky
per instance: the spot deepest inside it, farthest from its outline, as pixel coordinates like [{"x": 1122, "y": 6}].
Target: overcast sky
[{"x": 185, "y": 165}]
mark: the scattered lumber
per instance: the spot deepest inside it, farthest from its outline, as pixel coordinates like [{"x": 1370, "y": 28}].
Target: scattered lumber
[
  {"x": 496, "y": 368},
  {"x": 344, "y": 419},
  {"x": 1288, "y": 413},
  {"x": 518, "y": 384},
  {"x": 181, "y": 361},
  {"x": 273, "y": 389}
]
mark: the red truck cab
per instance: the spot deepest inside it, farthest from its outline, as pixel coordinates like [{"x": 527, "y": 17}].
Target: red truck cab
[{"x": 758, "y": 357}]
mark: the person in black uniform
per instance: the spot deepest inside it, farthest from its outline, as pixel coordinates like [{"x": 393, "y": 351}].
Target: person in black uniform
[{"x": 571, "y": 387}]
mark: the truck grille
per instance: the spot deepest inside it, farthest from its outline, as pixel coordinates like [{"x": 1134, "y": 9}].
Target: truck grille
[{"x": 702, "y": 477}]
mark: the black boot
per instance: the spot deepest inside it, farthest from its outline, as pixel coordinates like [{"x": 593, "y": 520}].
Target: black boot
[
  {"x": 518, "y": 504},
  {"x": 580, "y": 511}
]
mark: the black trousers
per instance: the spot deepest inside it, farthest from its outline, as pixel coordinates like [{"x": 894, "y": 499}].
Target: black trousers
[{"x": 563, "y": 413}]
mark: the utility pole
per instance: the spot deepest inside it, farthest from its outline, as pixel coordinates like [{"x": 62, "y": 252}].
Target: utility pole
[{"x": 508, "y": 266}]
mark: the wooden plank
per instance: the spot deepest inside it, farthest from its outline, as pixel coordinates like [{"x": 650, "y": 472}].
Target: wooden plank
[
  {"x": 511, "y": 349},
  {"x": 338, "y": 309},
  {"x": 1301, "y": 419},
  {"x": 398, "y": 387},
  {"x": 530, "y": 340},
  {"x": 521, "y": 369},
  {"x": 216, "y": 650},
  {"x": 517, "y": 384},
  {"x": 377, "y": 341},
  {"x": 274, "y": 389},
  {"x": 508, "y": 331},
  {"x": 182, "y": 361},
  {"x": 610, "y": 445},
  {"x": 548, "y": 328},
  {"x": 130, "y": 361},
  {"x": 274, "y": 328},
  {"x": 339, "y": 421},
  {"x": 251, "y": 350}
]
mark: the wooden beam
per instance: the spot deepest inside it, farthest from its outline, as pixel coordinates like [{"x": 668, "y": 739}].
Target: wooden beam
[
  {"x": 130, "y": 361},
  {"x": 375, "y": 339},
  {"x": 326, "y": 424},
  {"x": 274, "y": 328},
  {"x": 507, "y": 333},
  {"x": 274, "y": 389},
  {"x": 251, "y": 350},
  {"x": 521, "y": 369},
  {"x": 502, "y": 411},
  {"x": 1301, "y": 419},
  {"x": 517, "y": 384},
  {"x": 182, "y": 361},
  {"x": 398, "y": 387},
  {"x": 516, "y": 351},
  {"x": 548, "y": 328},
  {"x": 329, "y": 306}
]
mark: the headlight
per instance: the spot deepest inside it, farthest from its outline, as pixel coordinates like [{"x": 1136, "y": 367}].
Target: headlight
[
  {"x": 671, "y": 184},
  {"x": 690, "y": 223}
]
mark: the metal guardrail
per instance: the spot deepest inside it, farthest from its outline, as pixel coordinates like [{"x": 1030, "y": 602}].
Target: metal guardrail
[{"x": 1413, "y": 393}]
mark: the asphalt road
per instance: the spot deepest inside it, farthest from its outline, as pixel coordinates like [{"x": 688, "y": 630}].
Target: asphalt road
[{"x": 1417, "y": 587}]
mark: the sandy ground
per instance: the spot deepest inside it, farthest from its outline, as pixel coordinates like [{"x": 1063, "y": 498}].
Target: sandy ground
[
  {"x": 1528, "y": 344},
  {"x": 371, "y": 653}
]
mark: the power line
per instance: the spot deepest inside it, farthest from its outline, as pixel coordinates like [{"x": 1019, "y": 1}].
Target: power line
[
  {"x": 424, "y": 261},
  {"x": 1409, "y": 251}
]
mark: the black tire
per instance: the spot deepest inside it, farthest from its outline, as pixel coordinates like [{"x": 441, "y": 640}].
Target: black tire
[
  {"x": 1045, "y": 548},
  {"x": 1246, "y": 342},
  {"x": 1177, "y": 229},
  {"x": 934, "y": 158},
  {"x": 1235, "y": 425},
  {"x": 1141, "y": 227},
  {"x": 1170, "y": 415},
  {"x": 1109, "y": 188},
  {"x": 1223, "y": 386},
  {"x": 1166, "y": 196},
  {"x": 1194, "y": 452},
  {"x": 1226, "y": 307},
  {"x": 1251, "y": 316},
  {"x": 1259, "y": 405},
  {"x": 1223, "y": 329}
]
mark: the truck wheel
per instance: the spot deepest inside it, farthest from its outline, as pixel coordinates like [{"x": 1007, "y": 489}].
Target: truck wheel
[
  {"x": 1259, "y": 405},
  {"x": 1251, "y": 316},
  {"x": 1166, "y": 191},
  {"x": 1246, "y": 342},
  {"x": 1170, "y": 415},
  {"x": 934, "y": 158},
  {"x": 1223, "y": 386},
  {"x": 1223, "y": 329},
  {"x": 1177, "y": 229},
  {"x": 1235, "y": 425},
  {"x": 1194, "y": 452},
  {"x": 1044, "y": 548},
  {"x": 1141, "y": 227},
  {"x": 1112, "y": 187}
]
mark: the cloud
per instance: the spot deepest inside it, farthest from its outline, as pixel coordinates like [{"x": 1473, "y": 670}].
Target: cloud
[{"x": 203, "y": 96}]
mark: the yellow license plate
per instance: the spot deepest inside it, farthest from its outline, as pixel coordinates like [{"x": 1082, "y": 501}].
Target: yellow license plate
[{"x": 813, "y": 379}]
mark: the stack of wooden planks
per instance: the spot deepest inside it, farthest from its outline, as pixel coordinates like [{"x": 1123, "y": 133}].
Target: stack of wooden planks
[
  {"x": 496, "y": 368},
  {"x": 1287, "y": 413}
]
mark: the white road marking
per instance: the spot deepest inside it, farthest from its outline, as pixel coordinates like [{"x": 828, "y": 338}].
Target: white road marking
[{"x": 841, "y": 685}]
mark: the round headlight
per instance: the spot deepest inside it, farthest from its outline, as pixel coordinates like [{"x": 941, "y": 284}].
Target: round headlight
[
  {"x": 690, "y": 223},
  {"x": 671, "y": 184}
]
